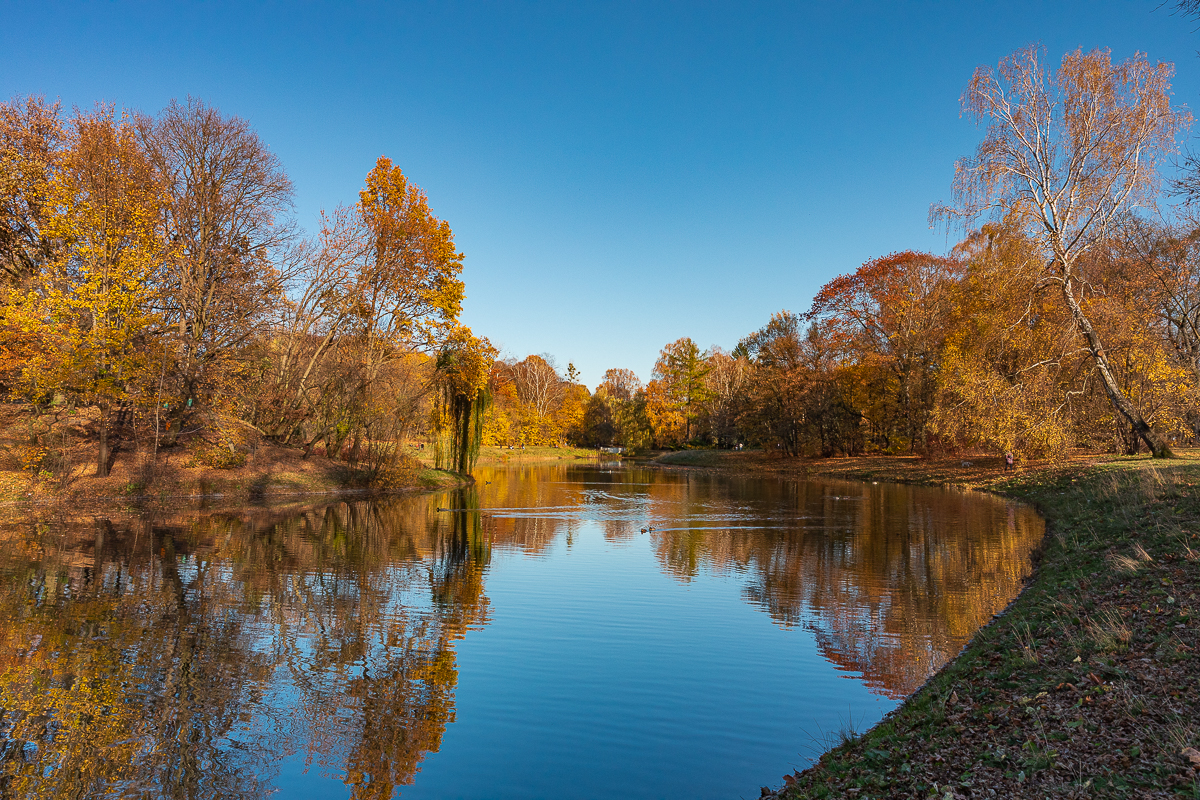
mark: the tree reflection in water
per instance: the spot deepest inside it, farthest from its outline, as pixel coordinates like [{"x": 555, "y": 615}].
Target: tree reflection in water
[
  {"x": 189, "y": 657},
  {"x": 893, "y": 580},
  {"x": 157, "y": 658}
]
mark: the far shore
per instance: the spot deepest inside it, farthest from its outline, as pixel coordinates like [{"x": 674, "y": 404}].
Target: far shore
[{"x": 493, "y": 455}]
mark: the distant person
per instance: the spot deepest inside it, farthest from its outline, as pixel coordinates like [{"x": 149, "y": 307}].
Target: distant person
[{"x": 1008, "y": 461}]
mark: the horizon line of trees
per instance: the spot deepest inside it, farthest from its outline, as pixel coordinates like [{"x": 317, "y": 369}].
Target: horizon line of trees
[{"x": 1067, "y": 316}]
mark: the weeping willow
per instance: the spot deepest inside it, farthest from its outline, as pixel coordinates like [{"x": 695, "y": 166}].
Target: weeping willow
[
  {"x": 458, "y": 427},
  {"x": 458, "y": 410}
]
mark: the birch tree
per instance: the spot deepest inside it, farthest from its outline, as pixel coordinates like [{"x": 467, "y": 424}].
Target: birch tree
[{"x": 1066, "y": 154}]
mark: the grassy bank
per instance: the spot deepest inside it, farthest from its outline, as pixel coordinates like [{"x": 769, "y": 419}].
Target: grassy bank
[
  {"x": 181, "y": 476},
  {"x": 1087, "y": 686}
]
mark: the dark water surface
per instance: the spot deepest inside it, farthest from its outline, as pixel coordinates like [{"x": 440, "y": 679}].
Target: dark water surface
[{"x": 527, "y": 642}]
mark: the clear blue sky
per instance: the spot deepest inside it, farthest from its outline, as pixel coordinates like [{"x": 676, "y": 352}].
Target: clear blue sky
[{"x": 620, "y": 174}]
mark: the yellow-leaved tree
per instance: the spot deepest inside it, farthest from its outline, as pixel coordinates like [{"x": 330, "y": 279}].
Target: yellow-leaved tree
[
  {"x": 463, "y": 366},
  {"x": 88, "y": 319}
]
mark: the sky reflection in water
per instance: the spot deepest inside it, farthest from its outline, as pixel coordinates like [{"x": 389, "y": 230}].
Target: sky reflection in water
[{"x": 523, "y": 639}]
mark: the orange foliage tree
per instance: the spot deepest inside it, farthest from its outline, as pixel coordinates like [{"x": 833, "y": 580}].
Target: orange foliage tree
[{"x": 890, "y": 318}]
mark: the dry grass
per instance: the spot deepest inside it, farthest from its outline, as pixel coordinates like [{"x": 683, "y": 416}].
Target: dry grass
[
  {"x": 1130, "y": 564},
  {"x": 1109, "y": 632},
  {"x": 1024, "y": 634}
]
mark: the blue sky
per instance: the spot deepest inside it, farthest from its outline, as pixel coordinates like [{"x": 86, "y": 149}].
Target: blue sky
[{"x": 618, "y": 175}]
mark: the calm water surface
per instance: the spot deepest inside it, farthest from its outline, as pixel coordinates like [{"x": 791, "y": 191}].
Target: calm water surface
[{"x": 522, "y": 639}]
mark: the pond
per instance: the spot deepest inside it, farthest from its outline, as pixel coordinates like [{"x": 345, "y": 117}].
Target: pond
[{"x": 556, "y": 631}]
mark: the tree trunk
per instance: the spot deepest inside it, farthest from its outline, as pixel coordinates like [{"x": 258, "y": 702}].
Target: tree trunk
[
  {"x": 102, "y": 450},
  {"x": 464, "y": 434},
  {"x": 1155, "y": 441}
]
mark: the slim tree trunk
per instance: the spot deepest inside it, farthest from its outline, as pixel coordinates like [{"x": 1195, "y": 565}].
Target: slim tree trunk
[
  {"x": 464, "y": 434},
  {"x": 102, "y": 450},
  {"x": 1155, "y": 441}
]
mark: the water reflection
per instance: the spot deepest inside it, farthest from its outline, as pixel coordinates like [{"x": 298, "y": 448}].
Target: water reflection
[
  {"x": 894, "y": 580},
  {"x": 199, "y": 656},
  {"x": 186, "y": 658}
]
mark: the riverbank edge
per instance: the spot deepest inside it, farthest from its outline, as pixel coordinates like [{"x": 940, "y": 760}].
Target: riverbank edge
[{"x": 1084, "y": 685}]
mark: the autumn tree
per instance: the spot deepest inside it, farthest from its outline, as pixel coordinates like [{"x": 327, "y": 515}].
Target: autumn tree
[
  {"x": 310, "y": 372},
  {"x": 1142, "y": 304},
  {"x": 541, "y": 391},
  {"x": 407, "y": 296},
  {"x": 623, "y": 398},
  {"x": 408, "y": 289},
  {"x": 775, "y": 408},
  {"x": 380, "y": 283},
  {"x": 678, "y": 390},
  {"x": 1067, "y": 154},
  {"x": 90, "y": 310},
  {"x": 32, "y": 137},
  {"x": 1008, "y": 374},
  {"x": 604, "y": 410},
  {"x": 890, "y": 317},
  {"x": 598, "y": 428},
  {"x": 463, "y": 367},
  {"x": 227, "y": 215},
  {"x": 569, "y": 421},
  {"x": 725, "y": 381},
  {"x": 793, "y": 397},
  {"x": 538, "y": 384},
  {"x": 619, "y": 384},
  {"x": 1175, "y": 297}
]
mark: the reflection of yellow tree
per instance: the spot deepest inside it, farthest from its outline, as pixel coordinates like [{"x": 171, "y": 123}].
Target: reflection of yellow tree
[
  {"x": 130, "y": 679},
  {"x": 405, "y": 710},
  {"x": 892, "y": 580},
  {"x": 187, "y": 658},
  {"x": 158, "y": 650},
  {"x": 62, "y": 708}
]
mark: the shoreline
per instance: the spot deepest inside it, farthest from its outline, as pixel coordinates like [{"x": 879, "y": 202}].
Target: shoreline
[{"x": 1087, "y": 684}]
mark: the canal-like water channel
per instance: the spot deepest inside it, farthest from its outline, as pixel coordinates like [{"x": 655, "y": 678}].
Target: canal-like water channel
[{"x": 556, "y": 632}]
